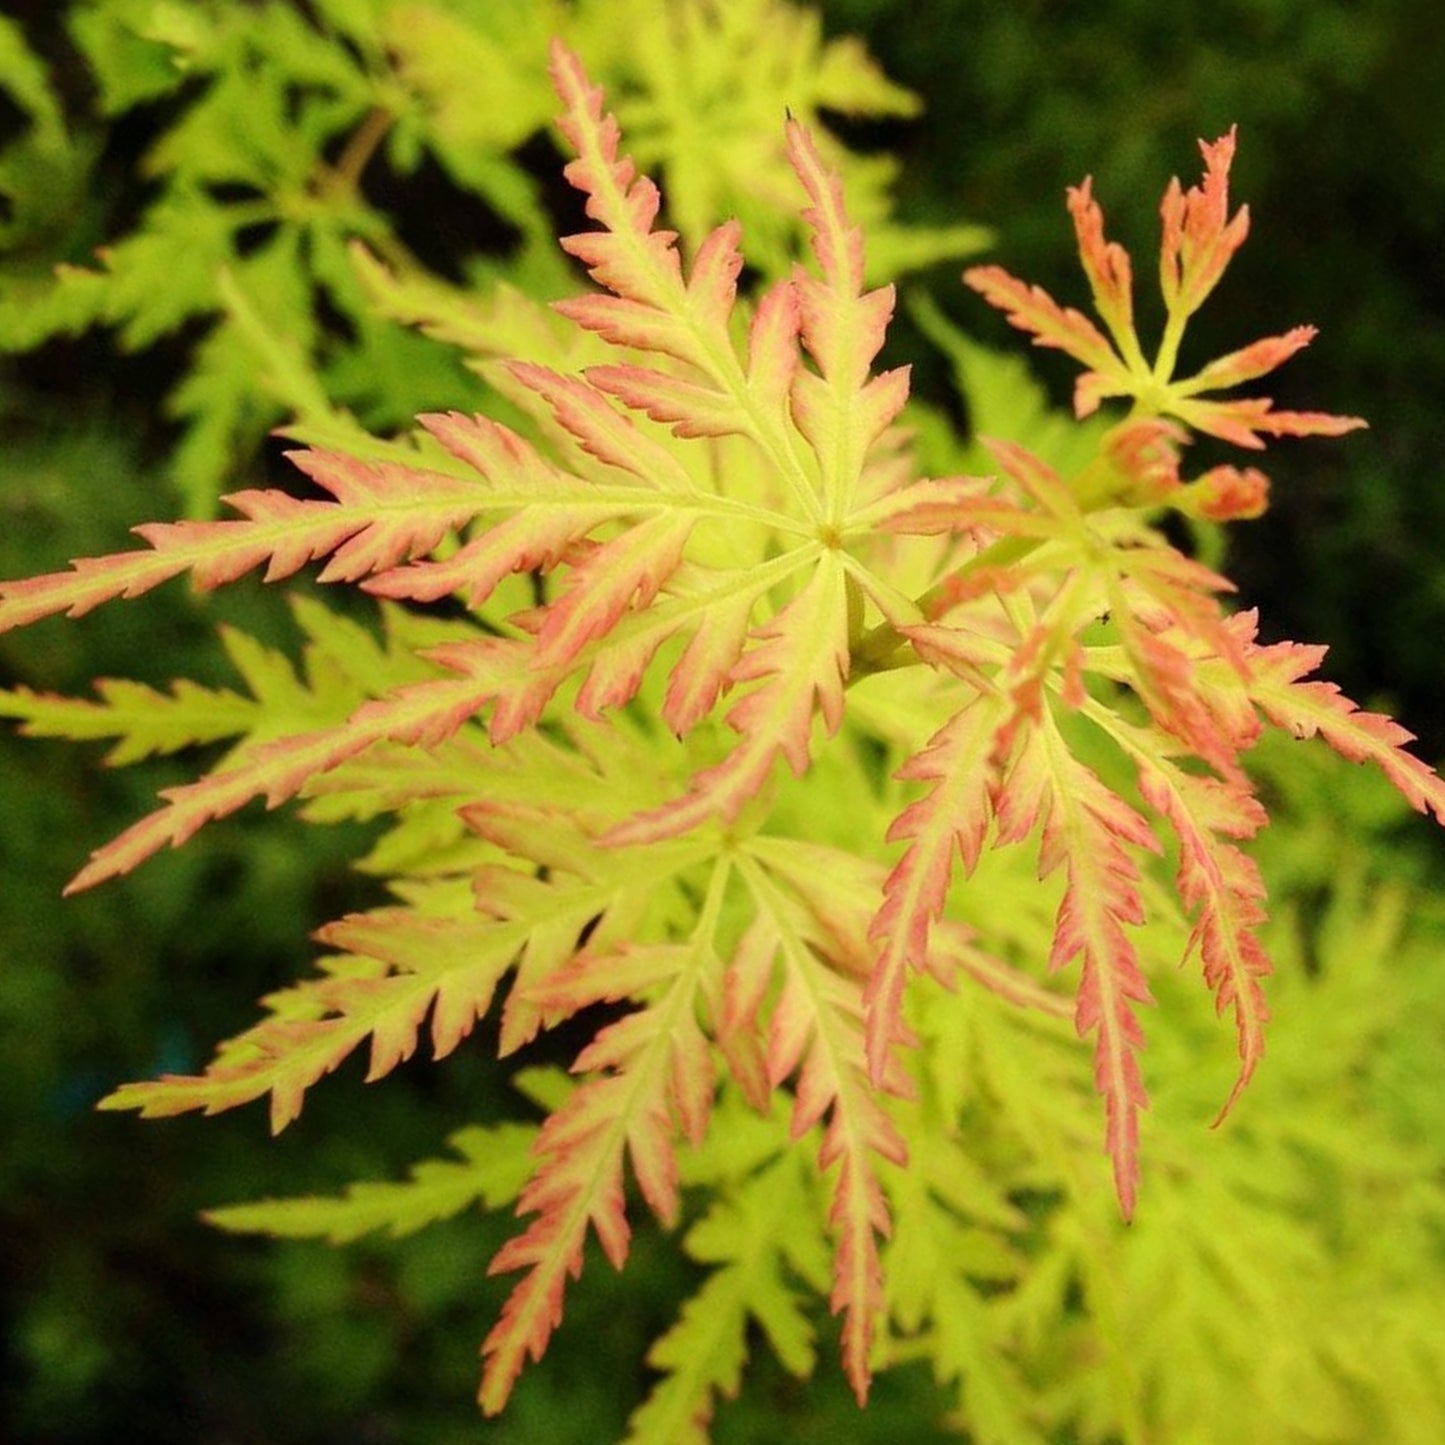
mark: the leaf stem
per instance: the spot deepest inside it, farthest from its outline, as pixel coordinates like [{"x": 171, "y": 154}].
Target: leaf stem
[{"x": 360, "y": 147}]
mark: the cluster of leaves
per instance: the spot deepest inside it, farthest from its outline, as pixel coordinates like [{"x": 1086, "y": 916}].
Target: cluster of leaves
[
  {"x": 292, "y": 136},
  {"x": 702, "y": 553},
  {"x": 1332, "y": 97}
]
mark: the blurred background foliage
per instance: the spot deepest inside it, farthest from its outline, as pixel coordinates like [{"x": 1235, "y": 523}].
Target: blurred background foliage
[{"x": 174, "y": 134}]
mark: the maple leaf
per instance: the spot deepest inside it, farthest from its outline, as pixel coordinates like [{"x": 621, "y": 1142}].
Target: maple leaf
[
  {"x": 1199, "y": 238},
  {"x": 768, "y": 614}
]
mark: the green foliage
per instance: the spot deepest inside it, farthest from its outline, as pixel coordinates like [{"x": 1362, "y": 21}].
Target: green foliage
[
  {"x": 491, "y": 1172},
  {"x": 677, "y": 535}
]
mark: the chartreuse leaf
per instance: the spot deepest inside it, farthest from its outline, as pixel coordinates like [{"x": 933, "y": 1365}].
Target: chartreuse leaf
[
  {"x": 439, "y": 52},
  {"x": 249, "y": 188},
  {"x": 499, "y": 321},
  {"x": 1295, "y": 1191},
  {"x": 144, "y": 720},
  {"x": 43, "y": 170},
  {"x": 45, "y": 176},
  {"x": 493, "y": 1166},
  {"x": 952, "y": 1256},
  {"x": 26, "y": 83},
  {"x": 132, "y": 62},
  {"x": 699, "y": 98},
  {"x": 756, "y": 1242},
  {"x": 342, "y": 664}
]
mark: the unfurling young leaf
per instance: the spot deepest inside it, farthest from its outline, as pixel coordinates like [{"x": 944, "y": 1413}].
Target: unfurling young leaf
[{"x": 723, "y": 696}]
